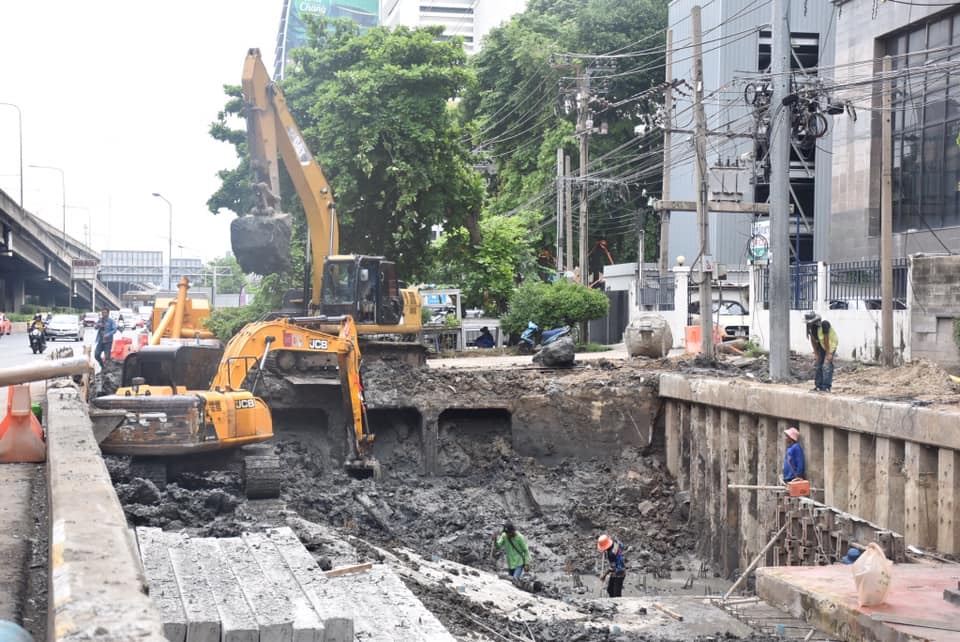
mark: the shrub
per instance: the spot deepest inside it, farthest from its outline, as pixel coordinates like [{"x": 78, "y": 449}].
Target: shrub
[{"x": 553, "y": 304}]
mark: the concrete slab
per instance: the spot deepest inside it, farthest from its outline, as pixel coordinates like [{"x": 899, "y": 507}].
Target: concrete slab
[
  {"x": 399, "y": 614},
  {"x": 237, "y": 620},
  {"x": 97, "y": 588},
  {"x": 203, "y": 621},
  {"x": 16, "y": 515},
  {"x": 826, "y": 597},
  {"x": 164, "y": 590},
  {"x": 307, "y": 625},
  {"x": 272, "y": 609}
]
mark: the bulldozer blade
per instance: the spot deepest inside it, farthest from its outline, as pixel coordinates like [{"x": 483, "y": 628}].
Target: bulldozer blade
[{"x": 261, "y": 243}]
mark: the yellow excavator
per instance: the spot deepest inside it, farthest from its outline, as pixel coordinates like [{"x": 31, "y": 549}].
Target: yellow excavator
[
  {"x": 364, "y": 287},
  {"x": 181, "y": 402}
]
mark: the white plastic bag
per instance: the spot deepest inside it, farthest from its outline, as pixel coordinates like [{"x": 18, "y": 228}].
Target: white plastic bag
[{"x": 871, "y": 573}]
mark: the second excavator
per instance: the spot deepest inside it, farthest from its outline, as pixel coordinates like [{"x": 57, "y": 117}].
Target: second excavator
[{"x": 364, "y": 287}]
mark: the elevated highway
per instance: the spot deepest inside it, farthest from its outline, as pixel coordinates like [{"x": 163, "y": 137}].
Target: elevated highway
[{"x": 35, "y": 261}]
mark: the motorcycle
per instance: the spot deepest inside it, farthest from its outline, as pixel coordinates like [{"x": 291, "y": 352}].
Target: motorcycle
[
  {"x": 38, "y": 343},
  {"x": 533, "y": 338}
]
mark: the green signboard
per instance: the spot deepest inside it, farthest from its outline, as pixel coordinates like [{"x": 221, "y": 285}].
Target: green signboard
[{"x": 364, "y": 12}]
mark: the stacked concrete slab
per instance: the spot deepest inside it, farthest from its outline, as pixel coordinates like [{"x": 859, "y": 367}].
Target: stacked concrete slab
[{"x": 266, "y": 586}]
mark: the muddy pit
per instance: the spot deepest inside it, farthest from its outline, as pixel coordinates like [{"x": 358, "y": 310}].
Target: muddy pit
[{"x": 559, "y": 500}]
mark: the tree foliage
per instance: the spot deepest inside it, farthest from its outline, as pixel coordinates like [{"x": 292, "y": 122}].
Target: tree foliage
[
  {"x": 268, "y": 297},
  {"x": 374, "y": 108},
  {"x": 550, "y": 305},
  {"x": 230, "y": 277}
]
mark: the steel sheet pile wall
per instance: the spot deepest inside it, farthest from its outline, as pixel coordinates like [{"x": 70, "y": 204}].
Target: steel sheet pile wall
[{"x": 884, "y": 467}]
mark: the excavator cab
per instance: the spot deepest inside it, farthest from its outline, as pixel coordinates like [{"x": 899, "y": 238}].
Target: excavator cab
[
  {"x": 363, "y": 287},
  {"x": 183, "y": 367}
]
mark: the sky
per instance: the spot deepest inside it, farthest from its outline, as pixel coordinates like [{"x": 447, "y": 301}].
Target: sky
[{"x": 120, "y": 95}]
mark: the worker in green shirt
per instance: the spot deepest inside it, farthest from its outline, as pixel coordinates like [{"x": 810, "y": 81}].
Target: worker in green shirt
[{"x": 515, "y": 545}]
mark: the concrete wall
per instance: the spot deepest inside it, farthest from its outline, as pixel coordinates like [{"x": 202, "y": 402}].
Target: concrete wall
[
  {"x": 893, "y": 464},
  {"x": 856, "y": 143},
  {"x": 934, "y": 298}
]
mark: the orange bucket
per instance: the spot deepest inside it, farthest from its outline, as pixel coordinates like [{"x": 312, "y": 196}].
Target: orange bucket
[{"x": 799, "y": 488}]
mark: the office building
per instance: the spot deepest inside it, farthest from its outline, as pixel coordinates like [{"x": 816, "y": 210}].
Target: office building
[{"x": 469, "y": 19}]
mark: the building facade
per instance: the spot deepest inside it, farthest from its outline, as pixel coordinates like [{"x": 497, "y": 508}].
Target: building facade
[
  {"x": 736, "y": 47},
  {"x": 469, "y": 19},
  {"x": 293, "y": 28},
  {"x": 923, "y": 41}
]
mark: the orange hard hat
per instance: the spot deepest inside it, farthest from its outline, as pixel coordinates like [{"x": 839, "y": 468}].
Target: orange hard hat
[{"x": 604, "y": 543}]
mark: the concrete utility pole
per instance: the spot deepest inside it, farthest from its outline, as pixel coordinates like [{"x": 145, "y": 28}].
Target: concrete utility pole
[
  {"x": 886, "y": 218},
  {"x": 560, "y": 214},
  {"x": 20, "y": 135},
  {"x": 779, "y": 281},
  {"x": 668, "y": 125},
  {"x": 583, "y": 95},
  {"x": 703, "y": 215},
  {"x": 568, "y": 210}
]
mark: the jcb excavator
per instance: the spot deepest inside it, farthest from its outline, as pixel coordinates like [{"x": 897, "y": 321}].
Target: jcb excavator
[
  {"x": 180, "y": 400},
  {"x": 364, "y": 287}
]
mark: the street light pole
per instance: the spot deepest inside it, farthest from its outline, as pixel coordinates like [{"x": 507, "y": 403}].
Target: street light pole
[
  {"x": 63, "y": 204},
  {"x": 169, "y": 241},
  {"x": 20, "y": 131}
]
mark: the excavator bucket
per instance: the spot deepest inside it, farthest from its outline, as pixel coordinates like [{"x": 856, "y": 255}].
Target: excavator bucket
[
  {"x": 365, "y": 468},
  {"x": 261, "y": 243}
]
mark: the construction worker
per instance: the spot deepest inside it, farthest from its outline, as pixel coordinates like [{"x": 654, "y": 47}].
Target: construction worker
[
  {"x": 823, "y": 338},
  {"x": 793, "y": 463},
  {"x": 515, "y": 545},
  {"x": 616, "y": 564},
  {"x": 485, "y": 340},
  {"x": 106, "y": 328}
]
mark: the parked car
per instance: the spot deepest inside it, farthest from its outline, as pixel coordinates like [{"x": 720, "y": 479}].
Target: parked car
[
  {"x": 5, "y": 324},
  {"x": 64, "y": 326},
  {"x": 729, "y": 315},
  {"x": 90, "y": 319}
]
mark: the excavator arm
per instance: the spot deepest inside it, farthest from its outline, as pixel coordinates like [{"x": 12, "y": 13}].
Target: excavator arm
[
  {"x": 251, "y": 346},
  {"x": 270, "y": 127}
]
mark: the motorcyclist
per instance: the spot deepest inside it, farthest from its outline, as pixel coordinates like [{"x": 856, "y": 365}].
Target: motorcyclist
[{"x": 36, "y": 324}]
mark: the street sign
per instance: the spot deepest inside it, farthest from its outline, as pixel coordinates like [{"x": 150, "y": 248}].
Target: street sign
[{"x": 84, "y": 269}]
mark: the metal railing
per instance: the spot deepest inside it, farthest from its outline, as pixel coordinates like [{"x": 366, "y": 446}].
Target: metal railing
[
  {"x": 657, "y": 291},
  {"x": 803, "y": 286},
  {"x": 860, "y": 280}
]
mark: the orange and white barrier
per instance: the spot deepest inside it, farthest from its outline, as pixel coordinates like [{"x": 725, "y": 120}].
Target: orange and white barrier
[{"x": 21, "y": 437}]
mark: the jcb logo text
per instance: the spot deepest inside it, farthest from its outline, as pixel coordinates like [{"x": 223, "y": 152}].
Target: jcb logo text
[{"x": 318, "y": 344}]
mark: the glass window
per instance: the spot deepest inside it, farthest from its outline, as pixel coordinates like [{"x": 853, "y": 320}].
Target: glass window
[{"x": 339, "y": 283}]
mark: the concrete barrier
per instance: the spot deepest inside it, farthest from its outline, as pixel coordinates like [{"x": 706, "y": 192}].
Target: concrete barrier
[{"x": 97, "y": 589}]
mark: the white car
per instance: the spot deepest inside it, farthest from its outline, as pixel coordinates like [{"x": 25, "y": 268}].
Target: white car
[
  {"x": 64, "y": 326},
  {"x": 729, "y": 315}
]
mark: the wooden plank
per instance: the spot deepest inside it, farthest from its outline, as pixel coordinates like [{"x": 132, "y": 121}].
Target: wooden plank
[
  {"x": 347, "y": 570},
  {"x": 668, "y": 611}
]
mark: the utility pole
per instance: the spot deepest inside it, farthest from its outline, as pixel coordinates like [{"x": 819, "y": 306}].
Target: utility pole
[
  {"x": 668, "y": 122},
  {"x": 886, "y": 217},
  {"x": 779, "y": 281},
  {"x": 560, "y": 214},
  {"x": 703, "y": 215},
  {"x": 583, "y": 102},
  {"x": 568, "y": 210}
]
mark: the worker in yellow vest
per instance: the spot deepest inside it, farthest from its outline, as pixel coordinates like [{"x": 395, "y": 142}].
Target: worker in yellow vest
[{"x": 823, "y": 338}]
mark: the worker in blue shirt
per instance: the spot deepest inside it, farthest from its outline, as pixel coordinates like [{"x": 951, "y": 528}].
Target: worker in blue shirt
[
  {"x": 106, "y": 328},
  {"x": 793, "y": 463},
  {"x": 613, "y": 551}
]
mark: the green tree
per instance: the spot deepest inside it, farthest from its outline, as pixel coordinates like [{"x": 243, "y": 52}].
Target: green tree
[
  {"x": 230, "y": 277},
  {"x": 375, "y": 110},
  {"x": 550, "y": 305}
]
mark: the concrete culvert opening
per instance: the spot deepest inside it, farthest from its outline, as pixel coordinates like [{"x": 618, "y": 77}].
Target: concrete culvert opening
[
  {"x": 471, "y": 438},
  {"x": 398, "y": 437}
]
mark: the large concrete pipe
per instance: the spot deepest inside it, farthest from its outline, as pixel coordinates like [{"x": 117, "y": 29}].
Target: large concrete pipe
[{"x": 40, "y": 370}]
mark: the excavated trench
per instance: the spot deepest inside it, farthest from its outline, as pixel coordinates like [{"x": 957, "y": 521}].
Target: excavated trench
[{"x": 564, "y": 455}]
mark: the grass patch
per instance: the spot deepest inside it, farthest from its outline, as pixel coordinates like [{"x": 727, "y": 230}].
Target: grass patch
[
  {"x": 753, "y": 350},
  {"x": 592, "y": 347}
]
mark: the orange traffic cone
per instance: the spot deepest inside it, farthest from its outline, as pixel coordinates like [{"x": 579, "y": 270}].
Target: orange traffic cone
[{"x": 21, "y": 437}]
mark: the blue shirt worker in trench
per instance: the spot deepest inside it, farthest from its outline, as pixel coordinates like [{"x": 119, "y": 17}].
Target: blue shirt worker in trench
[
  {"x": 613, "y": 551},
  {"x": 793, "y": 463},
  {"x": 515, "y": 546}
]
